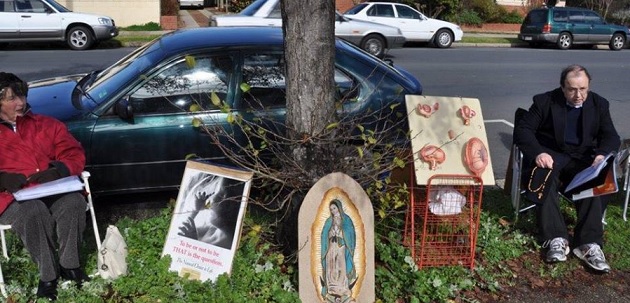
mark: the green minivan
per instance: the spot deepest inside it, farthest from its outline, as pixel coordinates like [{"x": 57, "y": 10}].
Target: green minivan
[{"x": 565, "y": 26}]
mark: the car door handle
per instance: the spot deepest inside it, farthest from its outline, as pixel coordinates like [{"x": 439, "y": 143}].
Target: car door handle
[{"x": 26, "y": 16}]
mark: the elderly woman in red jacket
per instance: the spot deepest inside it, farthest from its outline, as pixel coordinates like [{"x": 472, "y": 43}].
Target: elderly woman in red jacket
[{"x": 36, "y": 149}]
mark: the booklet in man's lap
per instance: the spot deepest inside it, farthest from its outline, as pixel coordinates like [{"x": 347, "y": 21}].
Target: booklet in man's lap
[
  {"x": 59, "y": 186},
  {"x": 597, "y": 180}
]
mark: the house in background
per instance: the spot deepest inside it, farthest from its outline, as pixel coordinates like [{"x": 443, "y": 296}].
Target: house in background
[
  {"x": 524, "y": 5},
  {"x": 124, "y": 13}
]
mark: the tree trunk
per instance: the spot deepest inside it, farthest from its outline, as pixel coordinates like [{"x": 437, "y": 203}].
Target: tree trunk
[{"x": 309, "y": 53}]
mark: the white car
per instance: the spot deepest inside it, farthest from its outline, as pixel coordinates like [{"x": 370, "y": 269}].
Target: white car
[
  {"x": 415, "y": 26},
  {"x": 371, "y": 37},
  {"x": 47, "y": 20},
  {"x": 195, "y": 3}
]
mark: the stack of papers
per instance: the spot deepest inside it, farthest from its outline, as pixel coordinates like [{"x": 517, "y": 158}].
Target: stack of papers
[
  {"x": 595, "y": 180},
  {"x": 59, "y": 186}
]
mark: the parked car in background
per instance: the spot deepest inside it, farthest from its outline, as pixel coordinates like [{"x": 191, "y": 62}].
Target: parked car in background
[
  {"x": 566, "y": 26},
  {"x": 415, "y": 26},
  {"x": 373, "y": 38},
  {"x": 47, "y": 20},
  {"x": 134, "y": 120},
  {"x": 189, "y": 3}
]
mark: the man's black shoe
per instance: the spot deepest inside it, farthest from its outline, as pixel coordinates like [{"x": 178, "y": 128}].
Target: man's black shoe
[
  {"x": 47, "y": 290},
  {"x": 76, "y": 274}
]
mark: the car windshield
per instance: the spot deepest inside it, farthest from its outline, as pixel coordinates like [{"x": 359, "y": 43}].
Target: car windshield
[
  {"x": 354, "y": 10},
  {"x": 57, "y": 6},
  {"x": 253, "y": 8},
  {"x": 118, "y": 75}
]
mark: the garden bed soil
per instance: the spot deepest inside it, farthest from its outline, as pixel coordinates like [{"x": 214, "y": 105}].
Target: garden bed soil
[{"x": 528, "y": 285}]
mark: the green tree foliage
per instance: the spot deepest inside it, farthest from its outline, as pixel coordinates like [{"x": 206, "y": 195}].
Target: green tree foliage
[
  {"x": 236, "y": 6},
  {"x": 490, "y": 12},
  {"x": 616, "y": 11},
  {"x": 441, "y": 9}
]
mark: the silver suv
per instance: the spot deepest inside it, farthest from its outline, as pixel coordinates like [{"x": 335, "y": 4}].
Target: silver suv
[{"x": 47, "y": 20}]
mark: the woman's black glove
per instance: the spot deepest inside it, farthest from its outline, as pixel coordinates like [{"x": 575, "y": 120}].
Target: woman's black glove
[
  {"x": 12, "y": 182},
  {"x": 44, "y": 176}
]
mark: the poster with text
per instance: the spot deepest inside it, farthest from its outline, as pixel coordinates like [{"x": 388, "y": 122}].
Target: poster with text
[
  {"x": 448, "y": 136},
  {"x": 206, "y": 224}
]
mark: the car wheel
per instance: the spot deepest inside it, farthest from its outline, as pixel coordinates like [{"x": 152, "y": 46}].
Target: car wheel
[
  {"x": 79, "y": 38},
  {"x": 443, "y": 39},
  {"x": 565, "y": 40},
  {"x": 617, "y": 42},
  {"x": 374, "y": 44}
]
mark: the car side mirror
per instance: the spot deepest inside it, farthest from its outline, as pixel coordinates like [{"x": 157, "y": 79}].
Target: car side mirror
[
  {"x": 340, "y": 18},
  {"x": 123, "y": 109}
]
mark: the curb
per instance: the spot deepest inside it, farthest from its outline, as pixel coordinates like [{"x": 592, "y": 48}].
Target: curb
[{"x": 504, "y": 45}]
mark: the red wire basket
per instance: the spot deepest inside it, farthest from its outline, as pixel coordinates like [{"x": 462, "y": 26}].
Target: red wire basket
[{"x": 442, "y": 221}]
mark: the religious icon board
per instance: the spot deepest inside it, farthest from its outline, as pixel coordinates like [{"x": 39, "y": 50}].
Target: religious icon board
[
  {"x": 336, "y": 231},
  {"x": 448, "y": 136},
  {"x": 206, "y": 224}
]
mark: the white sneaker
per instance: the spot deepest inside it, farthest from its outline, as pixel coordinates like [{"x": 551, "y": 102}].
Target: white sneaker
[
  {"x": 558, "y": 249},
  {"x": 593, "y": 256}
]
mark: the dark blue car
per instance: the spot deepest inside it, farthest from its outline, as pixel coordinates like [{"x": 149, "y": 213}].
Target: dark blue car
[{"x": 134, "y": 118}]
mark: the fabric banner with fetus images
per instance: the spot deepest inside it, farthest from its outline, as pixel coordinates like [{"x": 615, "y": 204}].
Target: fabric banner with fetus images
[
  {"x": 448, "y": 136},
  {"x": 206, "y": 224}
]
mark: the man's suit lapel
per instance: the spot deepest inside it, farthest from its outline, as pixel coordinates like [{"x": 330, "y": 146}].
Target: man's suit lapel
[
  {"x": 589, "y": 114},
  {"x": 559, "y": 118}
]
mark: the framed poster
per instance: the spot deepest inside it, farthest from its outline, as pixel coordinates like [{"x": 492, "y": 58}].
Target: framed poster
[
  {"x": 206, "y": 224},
  {"x": 448, "y": 136}
]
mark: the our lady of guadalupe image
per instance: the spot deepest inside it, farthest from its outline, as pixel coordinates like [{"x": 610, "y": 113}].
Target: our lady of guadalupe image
[{"x": 339, "y": 236}]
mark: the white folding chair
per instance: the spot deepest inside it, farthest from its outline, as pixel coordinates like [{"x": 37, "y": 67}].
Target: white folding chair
[
  {"x": 516, "y": 190},
  {"x": 516, "y": 163},
  {"x": 90, "y": 207},
  {"x": 623, "y": 162}
]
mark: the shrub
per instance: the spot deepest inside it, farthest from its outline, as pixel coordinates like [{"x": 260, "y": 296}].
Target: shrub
[
  {"x": 512, "y": 17},
  {"x": 487, "y": 10},
  {"x": 469, "y": 17},
  {"x": 151, "y": 26},
  {"x": 236, "y": 6}
]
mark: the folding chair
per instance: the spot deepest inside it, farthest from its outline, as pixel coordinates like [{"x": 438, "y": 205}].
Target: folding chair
[
  {"x": 516, "y": 191},
  {"x": 516, "y": 167},
  {"x": 623, "y": 162},
  {"x": 90, "y": 207}
]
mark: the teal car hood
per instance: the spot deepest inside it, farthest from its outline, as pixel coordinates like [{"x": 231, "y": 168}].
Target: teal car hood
[{"x": 53, "y": 97}]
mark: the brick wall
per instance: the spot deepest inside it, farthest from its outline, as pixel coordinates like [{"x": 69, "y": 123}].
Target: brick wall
[
  {"x": 493, "y": 28},
  {"x": 344, "y": 5}
]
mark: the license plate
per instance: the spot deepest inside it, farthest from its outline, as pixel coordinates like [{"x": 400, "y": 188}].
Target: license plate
[{"x": 527, "y": 38}]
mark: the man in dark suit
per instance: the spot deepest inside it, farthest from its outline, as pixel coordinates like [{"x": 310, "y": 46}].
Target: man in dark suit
[{"x": 565, "y": 131}]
